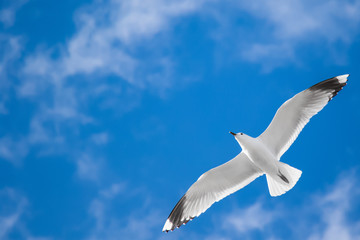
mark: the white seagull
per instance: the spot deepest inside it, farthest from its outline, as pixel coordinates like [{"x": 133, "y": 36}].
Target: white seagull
[{"x": 259, "y": 155}]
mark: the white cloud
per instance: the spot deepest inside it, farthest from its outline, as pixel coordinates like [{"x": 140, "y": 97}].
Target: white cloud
[
  {"x": 334, "y": 208},
  {"x": 321, "y": 216},
  {"x": 135, "y": 226},
  {"x": 113, "y": 190},
  {"x": 89, "y": 167},
  {"x": 8, "y": 12},
  {"x": 285, "y": 26},
  {"x": 13, "y": 205},
  {"x": 106, "y": 43},
  {"x": 13, "y": 150},
  {"x": 106, "y": 40},
  {"x": 10, "y": 49},
  {"x": 141, "y": 223},
  {"x": 48, "y": 124},
  {"x": 100, "y": 138},
  {"x": 255, "y": 217},
  {"x": 129, "y": 41},
  {"x": 109, "y": 41},
  {"x": 13, "y": 212},
  {"x": 264, "y": 53}
]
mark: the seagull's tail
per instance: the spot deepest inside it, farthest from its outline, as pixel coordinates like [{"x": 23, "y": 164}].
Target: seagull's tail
[{"x": 285, "y": 180}]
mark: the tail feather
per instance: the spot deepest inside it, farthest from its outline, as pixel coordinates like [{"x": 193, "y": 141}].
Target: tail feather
[{"x": 284, "y": 181}]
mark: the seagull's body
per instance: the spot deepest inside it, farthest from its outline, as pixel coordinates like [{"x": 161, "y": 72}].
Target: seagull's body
[{"x": 259, "y": 155}]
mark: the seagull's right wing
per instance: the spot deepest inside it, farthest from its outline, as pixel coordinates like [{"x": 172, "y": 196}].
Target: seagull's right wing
[
  {"x": 211, "y": 187},
  {"x": 293, "y": 115}
]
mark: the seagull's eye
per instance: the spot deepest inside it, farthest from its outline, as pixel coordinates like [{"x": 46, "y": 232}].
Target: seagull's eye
[{"x": 241, "y": 133}]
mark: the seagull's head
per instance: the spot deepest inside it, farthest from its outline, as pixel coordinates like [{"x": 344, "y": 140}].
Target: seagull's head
[
  {"x": 241, "y": 138},
  {"x": 237, "y": 134}
]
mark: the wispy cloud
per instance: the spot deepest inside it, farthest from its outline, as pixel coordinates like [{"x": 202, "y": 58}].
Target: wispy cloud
[
  {"x": 114, "y": 190},
  {"x": 290, "y": 24},
  {"x": 117, "y": 51},
  {"x": 106, "y": 40},
  {"x": 303, "y": 20},
  {"x": 100, "y": 138},
  {"x": 323, "y": 215},
  {"x": 10, "y": 49},
  {"x": 120, "y": 49},
  {"x": 139, "y": 224},
  {"x": 334, "y": 209},
  {"x": 89, "y": 167},
  {"x": 8, "y": 11},
  {"x": 12, "y": 207},
  {"x": 279, "y": 32},
  {"x": 13, "y": 150},
  {"x": 255, "y": 217}
]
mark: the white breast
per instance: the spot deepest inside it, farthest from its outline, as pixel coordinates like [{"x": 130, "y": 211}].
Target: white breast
[{"x": 261, "y": 156}]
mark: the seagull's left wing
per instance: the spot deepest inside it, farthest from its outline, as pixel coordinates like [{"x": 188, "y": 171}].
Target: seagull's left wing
[
  {"x": 211, "y": 187},
  {"x": 296, "y": 112}
]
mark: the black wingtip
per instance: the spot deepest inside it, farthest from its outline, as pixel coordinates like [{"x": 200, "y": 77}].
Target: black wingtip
[
  {"x": 333, "y": 84},
  {"x": 177, "y": 214}
]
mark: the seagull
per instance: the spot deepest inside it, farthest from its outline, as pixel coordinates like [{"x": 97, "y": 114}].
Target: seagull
[{"x": 259, "y": 155}]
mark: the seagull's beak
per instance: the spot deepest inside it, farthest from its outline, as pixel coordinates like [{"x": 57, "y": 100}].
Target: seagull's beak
[{"x": 233, "y": 133}]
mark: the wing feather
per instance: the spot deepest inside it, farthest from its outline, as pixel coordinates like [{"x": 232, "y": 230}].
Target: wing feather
[
  {"x": 211, "y": 187},
  {"x": 296, "y": 112}
]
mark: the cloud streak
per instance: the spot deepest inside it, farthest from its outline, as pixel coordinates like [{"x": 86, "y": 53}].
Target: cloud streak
[
  {"x": 323, "y": 215},
  {"x": 319, "y": 216},
  {"x": 106, "y": 41},
  {"x": 116, "y": 53},
  {"x": 120, "y": 49},
  {"x": 139, "y": 224},
  {"x": 11, "y": 211},
  {"x": 10, "y": 49},
  {"x": 13, "y": 216},
  {"x": 8, "y": 12},
  {"x": 289, "y": 25},
  {"x": 255, "y": 217},
  {"x": 334, "y": 208}
]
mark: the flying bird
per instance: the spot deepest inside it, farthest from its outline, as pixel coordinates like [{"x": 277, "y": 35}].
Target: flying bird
[{"x": 259, "y": 155}]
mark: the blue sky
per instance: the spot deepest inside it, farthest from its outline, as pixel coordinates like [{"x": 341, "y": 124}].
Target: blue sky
[{"x": 110, "y": 110}]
